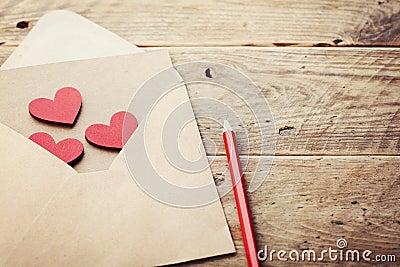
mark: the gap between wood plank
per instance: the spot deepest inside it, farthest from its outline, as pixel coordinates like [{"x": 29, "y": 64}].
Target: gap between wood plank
[{"x": 267, "y": 45}]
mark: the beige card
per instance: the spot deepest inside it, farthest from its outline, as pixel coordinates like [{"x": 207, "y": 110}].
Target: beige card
[
  {"x": 106, "y": 85},
  {"x": 65, "y": 36},
  {"x": 29, "y": 177}
]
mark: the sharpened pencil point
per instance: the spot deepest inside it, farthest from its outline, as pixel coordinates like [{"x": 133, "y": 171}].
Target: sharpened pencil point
[{"x": 227, "y": 126}]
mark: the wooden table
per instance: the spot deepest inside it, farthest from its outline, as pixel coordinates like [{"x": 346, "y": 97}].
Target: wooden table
[{"x": 330, "y": 72}]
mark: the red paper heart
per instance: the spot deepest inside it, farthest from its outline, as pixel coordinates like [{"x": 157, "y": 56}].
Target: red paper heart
[
  {"x": 122, "y": 126},
  {"x": 69, "y": 150},
  {"x": 64, "y": 109}
]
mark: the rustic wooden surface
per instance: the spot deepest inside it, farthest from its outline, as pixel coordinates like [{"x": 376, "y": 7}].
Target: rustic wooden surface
[
  {"x": 215, "y": 23},
  {"x": 336, "y": 109}
]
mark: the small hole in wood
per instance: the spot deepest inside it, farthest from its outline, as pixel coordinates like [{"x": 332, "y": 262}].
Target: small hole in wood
[
  {"x": 22, "y": 24},
  {"x": 208, "y": 73},
  {"x": 337, "y": 41},
  {"x": 287, "y": 130}
]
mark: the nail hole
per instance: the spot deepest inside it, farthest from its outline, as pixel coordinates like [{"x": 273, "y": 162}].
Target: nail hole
[
  {"x": 335, "y": 222},
  {"x": 208, "y": 73},
  {"x": 337, "y": 41},
  {"x": 287, "y": 130},
  {"x": 23, "y": 24}
]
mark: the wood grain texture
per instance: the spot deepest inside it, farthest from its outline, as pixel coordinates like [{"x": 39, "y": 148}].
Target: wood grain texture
[
  {"x": 336, "y": 110},
  {"x": 324, "y": 101},
  {"x": 311, "y": 202},
  {"x": 215, "y": 23}
]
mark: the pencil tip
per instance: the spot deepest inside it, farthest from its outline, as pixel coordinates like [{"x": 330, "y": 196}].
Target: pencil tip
[{"x": 227, "y": 126}]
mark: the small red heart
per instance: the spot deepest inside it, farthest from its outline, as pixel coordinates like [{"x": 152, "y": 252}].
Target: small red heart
[
  {"x": 64, "y": 109},
  {"x": 69, "y": 150},
  {"x": 122, "y": 126}
]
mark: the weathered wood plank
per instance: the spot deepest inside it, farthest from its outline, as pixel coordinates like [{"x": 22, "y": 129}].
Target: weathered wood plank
[
  {"x": 311, "y": 202},
  {"x": 215, "y": 23},
  {"x": 325, "y": 101}
]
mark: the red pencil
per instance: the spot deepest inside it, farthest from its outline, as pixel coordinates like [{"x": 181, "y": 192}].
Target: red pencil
[{"x": 240, "y": 195}]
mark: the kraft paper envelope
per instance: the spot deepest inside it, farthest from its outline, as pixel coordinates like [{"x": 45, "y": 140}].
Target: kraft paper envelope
[
  {"x": 106, "y": 85},
  {"x": 29, "y": 178},
  {"x": 104, "y": 219},
  {"x": 75, "y": 35},
  {"x": 65, "y": 36},
  {"x": 107, "y": 220}
]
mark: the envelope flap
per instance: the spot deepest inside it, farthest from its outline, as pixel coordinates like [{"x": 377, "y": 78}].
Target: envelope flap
[
  {"x": 29, "y": 177},
  {"x": 105, "y": 219},
  {"x": 65, "y": 36}
]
